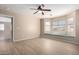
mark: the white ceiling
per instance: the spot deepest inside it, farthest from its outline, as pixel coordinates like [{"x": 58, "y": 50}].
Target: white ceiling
[{"x": 57, "y": 9}]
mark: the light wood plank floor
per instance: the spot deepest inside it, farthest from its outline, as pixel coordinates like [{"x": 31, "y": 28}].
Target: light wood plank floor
[{"x": 38, "y": 46}]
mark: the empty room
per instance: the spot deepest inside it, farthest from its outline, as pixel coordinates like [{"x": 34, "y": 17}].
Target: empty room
[{"x": 39, "y": 29}]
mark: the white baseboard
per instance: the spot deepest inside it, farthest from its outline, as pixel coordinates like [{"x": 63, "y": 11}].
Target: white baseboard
[
  {"x": 42, "y": 37},
  {"x": 24, "y": 39},
  {"x": 73, "y": 42}
]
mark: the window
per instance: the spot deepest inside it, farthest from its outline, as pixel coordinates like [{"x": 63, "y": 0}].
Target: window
[
  {"x": 1, "y": 27},
  {"x": 58, "y": 27},
  {"x": 64, "y": 27},
  {"x": 71, "y": 27},
  {"x": 47, "y": 26}
]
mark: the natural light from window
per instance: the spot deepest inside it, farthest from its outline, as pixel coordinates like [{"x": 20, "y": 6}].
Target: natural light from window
[{"x": 60, "y": 27}]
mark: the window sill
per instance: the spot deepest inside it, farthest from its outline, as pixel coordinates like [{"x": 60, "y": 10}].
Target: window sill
[{"x": 59, "y": 35}]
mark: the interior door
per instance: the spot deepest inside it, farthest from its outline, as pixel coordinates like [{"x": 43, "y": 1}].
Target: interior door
[{"x": 5, "y": 28}]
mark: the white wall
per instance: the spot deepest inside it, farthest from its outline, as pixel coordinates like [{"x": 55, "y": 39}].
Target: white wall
[
  {"x": 26, "y": 27},
  {"x": 77, "y": 25}
]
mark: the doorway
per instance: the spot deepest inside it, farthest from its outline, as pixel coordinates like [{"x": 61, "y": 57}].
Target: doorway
[{"x": 6, "y": 28}]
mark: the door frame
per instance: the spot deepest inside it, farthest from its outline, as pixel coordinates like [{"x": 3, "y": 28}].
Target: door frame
[{"x": 12, "y": 24}]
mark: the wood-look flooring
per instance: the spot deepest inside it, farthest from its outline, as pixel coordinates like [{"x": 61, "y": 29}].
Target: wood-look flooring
[{"x": 38, "y": 46}]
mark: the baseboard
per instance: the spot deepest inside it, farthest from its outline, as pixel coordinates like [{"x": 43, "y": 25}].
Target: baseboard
[
  {"x": 72, "y": 42},
  {"x": 43, "y": 37},
  {"x": 24, "y": 39}
]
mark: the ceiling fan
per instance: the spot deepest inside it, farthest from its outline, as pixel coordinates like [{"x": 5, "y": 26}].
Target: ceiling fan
[{"x": 40, "y": 8}]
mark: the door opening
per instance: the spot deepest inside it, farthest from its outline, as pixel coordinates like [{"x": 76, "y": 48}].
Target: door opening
[{"x": 6, "y": 28}]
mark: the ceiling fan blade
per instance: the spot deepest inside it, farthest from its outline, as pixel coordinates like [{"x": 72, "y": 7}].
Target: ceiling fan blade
[
  {"x": 33, "y": 9},
  {"x": 42, "y": 13},
  {"x": 35, "y": 12},
  {"x": 42, "y": 5},
  {"x": 46, "y": 9}
]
